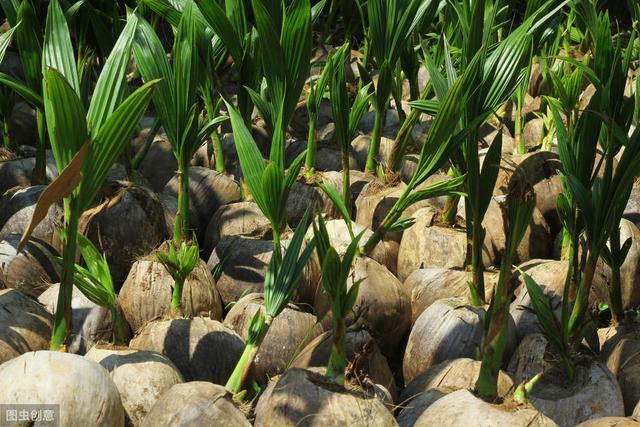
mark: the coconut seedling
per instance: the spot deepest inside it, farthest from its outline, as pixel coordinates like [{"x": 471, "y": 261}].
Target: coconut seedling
[
  {"x": 179, "y": 263},
  {"x": 280, "y": 284},
  {"x": 85, "y": 144},
  {"x": 520, "y": 202},
  {"x": 391, "y": 24},
  {"x": 335, "y": 275}
]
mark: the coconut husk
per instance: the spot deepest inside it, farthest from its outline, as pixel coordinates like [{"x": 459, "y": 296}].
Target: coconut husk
[
  {"x": 624, "y": 364},
  {"x": 26, "y": 325},
  {"x": 448, "y": 329},
  {"x": 462, "y": 408},
  {"x": 91, "y": 323},
  {"x": 426, "y": 286},
  {"x": 235, "y": 219},
  {"x": 382, "y": 304},
  {"x": 141, "y": 377},
  {"x": 290, "y": 329},
  {"x": 610, "y": 422},
  {"x": 84, "y": 391},
  {"x": 31, "y": 271},
  {"x": 193, "y": 404},
  {"x": 194, "y": 346},
  {"x": 363, "y": 354},
  {"x": 159, "y": 165},
  {"x": 16, "y": 209},
  {"x": 305, "y": 398},
  {"x": 594, "y": 392},
  {"x": 146, "y": 294}
]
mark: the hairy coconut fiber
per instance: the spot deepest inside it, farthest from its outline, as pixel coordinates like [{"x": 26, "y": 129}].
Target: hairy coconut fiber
[
  {"x": 127, "y": 225},
  {"x": 24, "y": 325},
  {"x": 31, "y": 271},
  {"x": 594, "y": 392},
  {"x": 304, "y": 398},
  {"x": 141, "y": 377},
  {"x": 196, "y": 403},
  {"x": 146, "y": 294},
  {"x": 194, "y": 346},
  {"x": 91, "y": 322},
  {"x": 244, "y": 263},
  {"x": 427, "y": 285},
  {"x": 462, "y": 408},
  {"x": 289, "y": 330},
  {"x": 440, "y": 380},
  {"x": 624, "y": 364},
  {"x": 16, "y": 209},
  {"x": 84, "y": 391},
  {"x": 363, "y": 356},
  {"x": 235, "y": 219},
  {"x": 382, "y": 304},
  {"x": 448, "y": 329}
]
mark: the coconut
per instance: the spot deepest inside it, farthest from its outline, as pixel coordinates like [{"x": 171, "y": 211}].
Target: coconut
[
  {"x": 594, "y": 392},
  {"x": 196, "y": 403},
  {"x": 91, "y": 322},
  {"x": 194, "y": 346},
  {"x": 632, "y": 209},
  {"x": 448, "y": 329},
  {"x": 159, "y": 164},
  {"x": 288, "y": 331},
  {"x": 440, "y": 380},
  {"x": 17, "y": 172},
  {"x": 630, "y": 268},
  {"x": 363, "y": 355},
  {"x": 25, "y": 325},
  {"x": 146, "y": 294},
  {"x": 381, "y": 302},
  {"x": 304, "y": 398},
  {"x": 624, "y": 364},
  {"x": 16, "y": 209},
  {"x": 84, "y": 391},
  {"x": 170, "y": 210},
  {"x": 141, "y": 377},
  {"x": 610, "y": 422},
  {"x": 30, "y": 271},
  {"x": 426, "y": 286},
  {"x": 208, "y": 190},
  {"x": 462, "y": 408},
  {"x": 244, "y": 266},
  {"x": 235, "y": 219},
  {"x": 123, "y": 242}
]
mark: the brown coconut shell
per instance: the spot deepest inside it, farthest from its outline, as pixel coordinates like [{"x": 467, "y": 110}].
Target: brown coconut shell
[
  {"x": 146, "y": 294},
  {"x": 630, "y": 269},
  {"x": 427, "y": 285},
  {"x": 170, "y": 210},
  {"x": 290, "y": 329},
  {"x": 244, "y": 266},
  {"x": 24, "y": 325},
  {"x": 381, "y": 302},
  {"x": 141, "y": 377},
  {"x": 448, "y": 329},
  {"x": 594, "y": 392},
  {"x": 624, "y": 364},
  {"x": 362, "y": 353},
  {"x": 123, "y": 242},
  {"x": 91, "y": 322},
  {"x": 440, "y": 380},
  {"x": 196, "y": 403},
  {"x": 31, "y": 271},
  {"x": 235, "y": 219},
  {"x": 610, "y": 422},
  {"x": 208, "y": 190},
  {"x": 462, "y": 408},
  {"x": 159, "y": 164},
  {"x": 304, "y": 398},
  {"x": 16, "y": 209},
  {"x": 17, "y": 172},
  {"x": 194, "y": 346},
  {"x": 84, "y": 391}
]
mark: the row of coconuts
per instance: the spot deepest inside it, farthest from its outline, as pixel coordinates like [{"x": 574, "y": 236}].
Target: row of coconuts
[{"x": 412, "y": 335}]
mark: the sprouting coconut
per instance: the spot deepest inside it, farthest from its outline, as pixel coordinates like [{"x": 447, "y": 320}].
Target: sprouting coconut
[
  {"x": 194, "y": 346},
  {"x": 31, "y": 271},
  {"x": 292, "y": 328},
  {"x": 195, "y": 403},
  {"x": 305, "y": 398},
  {"x": 147, "y": 293},
  {"x": 142, "y": 377},
  {"x": 83, "y": 389},
  {"x": 24, "y": 325}
]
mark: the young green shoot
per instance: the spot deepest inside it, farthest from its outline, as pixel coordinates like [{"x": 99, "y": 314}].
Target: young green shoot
[{"x": 179, "y": 264}]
